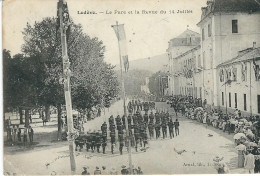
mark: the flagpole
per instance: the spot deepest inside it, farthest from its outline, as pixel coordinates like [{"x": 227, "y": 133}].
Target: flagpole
[
  {"x": 124, "y": 106},
  {"x": 66, "y": 72}
]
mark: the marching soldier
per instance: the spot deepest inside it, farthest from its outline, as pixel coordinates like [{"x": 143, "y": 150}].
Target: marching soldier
[
  {"x": 135, "y": 118},
  {"x": 111, "y": 120},
  {"x": 151, "y": 129},
  {"x": 104, "y": 131},
  {"x": 123, "y": 121},
  {"x": 146, "y": 117},
  {"x": 118, "y": 120},
  {"x": 129, "y": 119},
  {"x": 164, "y": 129},
  {"x": 171, "y": 126},
  {"x": 93, "y": 142},
  {"x": 104, "y": 144},
  {"x": 136, "y": 134},
  {"x": 157, "y": 129},
  {"x": 98, "y": 141},
  {"x": 151, "y": 117},
  {"x": 157, "y": 117},
  {"x": 88, "y": 142},
  {"x": 79, "y": 142},
  {"x": 121, "y": 142},
  {"x": 112, "y": 136}
]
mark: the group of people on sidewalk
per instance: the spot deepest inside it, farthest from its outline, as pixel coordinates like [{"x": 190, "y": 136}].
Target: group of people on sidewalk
[{"x": 246, "y": 129}]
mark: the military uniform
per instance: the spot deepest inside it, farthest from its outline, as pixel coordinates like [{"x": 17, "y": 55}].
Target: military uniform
[
  {"x": 93, "y": 142},
  {"x": 104, "y": 144},
  {"x": 164, "y": 129},
  {"x": 111, "y": 120},
  {"x": 79, "y": 142},
  {"x": 112, "y": 129},
  {"x": 157, "y": 129},
  {"x": 171, "y": 126},
  {"x": 151, "y": 117},
  {"x": 146, "y": 118},
  {"x": 121, "y": 142},
  {"x": 136, "y": 134},
  {"x": 88, "y": 142},
  {"x": 99, "y": 140},
  {"x": 151, "y": 129},
  {"x": 104, "y": 131}
]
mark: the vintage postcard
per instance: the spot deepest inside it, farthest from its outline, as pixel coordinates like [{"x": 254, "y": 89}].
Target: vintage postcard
[{"x": 131, "y": 87}]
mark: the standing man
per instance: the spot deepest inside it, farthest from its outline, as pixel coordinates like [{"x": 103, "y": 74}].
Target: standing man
[
  {"x": 112, "y": 136},
  {"x": 176, "y": 125},
  {"x": 25, "y": 131},
  {"x": 30, "y": 131},
  {"x": 104, "y": 131},
  {"x": 171, "y": 126},
  {"x": 151, "y": 129},
  {"x": 164, "y": 128},
  {"x": 157, "y": 129}
]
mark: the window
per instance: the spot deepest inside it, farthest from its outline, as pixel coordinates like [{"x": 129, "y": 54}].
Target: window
[
  {"x": 222, "y": 98},
  {"x": 209, "y": 30},
  {"x": 203, "y": 35},
  {"x": 229, "y": 99},
  {"x": 235, "y": 100},
  {"x": 243, "y": 71},
  {"x": 234, "y": 74},
  {"x": 234, "y": 26},
  {"x": 245, "y": 102}
]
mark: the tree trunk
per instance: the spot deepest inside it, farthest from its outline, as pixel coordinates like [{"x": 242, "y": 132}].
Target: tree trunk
[
  {"x": 26, "y": 118},
  {"x": 47, "y": 113},
  {"x": 21, "y": 115},
  {"x": 59, "y": 122}
]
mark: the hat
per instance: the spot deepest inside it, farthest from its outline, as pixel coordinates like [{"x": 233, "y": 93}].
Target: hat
[
  {"x": 123, "y": 166},
  {"x": 97, "y": 167},
  {"x": 103, "y": 167},
  {"x": 85, "y": 167}
]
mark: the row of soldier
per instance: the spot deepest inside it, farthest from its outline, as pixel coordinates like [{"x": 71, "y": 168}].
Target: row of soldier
[
  {"x": 138, "y": 125},
  {"x": 136, "y": 105}
]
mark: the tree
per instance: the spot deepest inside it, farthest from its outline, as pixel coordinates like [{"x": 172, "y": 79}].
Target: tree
[{"x": 92, "y": 78}]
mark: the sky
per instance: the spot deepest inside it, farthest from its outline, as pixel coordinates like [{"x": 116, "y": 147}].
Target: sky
[{"x": 147, "y": 34}]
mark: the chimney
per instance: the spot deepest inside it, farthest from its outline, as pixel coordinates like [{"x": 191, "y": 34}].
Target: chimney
[{"x": 254, "y": 45}]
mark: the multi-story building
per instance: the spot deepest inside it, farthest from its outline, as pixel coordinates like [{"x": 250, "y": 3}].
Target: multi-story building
[
  {"x": 226, "y": 27},
  {"x": 179, "y": 45},
  {"x": 239, "y": 82},
  {"x": 224, "y": 68}
]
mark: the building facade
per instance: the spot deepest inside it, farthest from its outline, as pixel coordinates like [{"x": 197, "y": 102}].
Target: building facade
[
  {"x": 226, "y": 27},
  {"x": 186, "y": 41},
  {"x": 229, "y": 43},
  {"x": 239, "y": 82}
]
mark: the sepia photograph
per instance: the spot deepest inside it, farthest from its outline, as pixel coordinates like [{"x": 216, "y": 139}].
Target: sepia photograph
[{"x": 131, "y": 87}]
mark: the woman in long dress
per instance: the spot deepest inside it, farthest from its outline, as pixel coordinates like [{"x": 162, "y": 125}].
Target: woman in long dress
[{"x": 241, "y": 148}]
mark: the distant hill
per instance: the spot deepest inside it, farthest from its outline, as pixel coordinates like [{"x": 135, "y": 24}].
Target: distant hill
[{"x": 152, "y": 64}]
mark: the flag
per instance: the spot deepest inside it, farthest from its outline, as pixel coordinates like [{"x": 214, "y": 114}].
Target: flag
[{"x": 120, "y": 33}]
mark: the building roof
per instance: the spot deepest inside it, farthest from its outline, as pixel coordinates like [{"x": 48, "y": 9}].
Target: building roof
[
  {"x": 187, "y": 52},
  {"x": 183, "y": 39},
  {"x": 243, "y": 55},
  {"x": 214, "y": 6}
]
